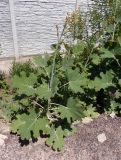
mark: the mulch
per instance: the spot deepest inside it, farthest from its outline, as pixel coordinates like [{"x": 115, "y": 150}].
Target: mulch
[{"x": 84, "y": 145}]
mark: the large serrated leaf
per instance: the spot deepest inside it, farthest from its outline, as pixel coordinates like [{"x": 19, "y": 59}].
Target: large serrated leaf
[
  {"x": 56, "y": 139},
  {"x": 119, "y": 40},
  {"x": 43, "y": 92},
  {"x": 79, "y": 48},
  {"x": 54, "y": 87},
  {"x": 24, "y": 84},
  {"x": 105, "y": 81},
  {"x": 91, "y": 112},
  {"x": 114, "y": 107},
  {"x": 41, "y": 60},
  {"x": 95, "y": 59},
  {"x": 67, "y": 62},
  {"x": 25, "y": 124},
  {"x": 117, "y": 94},
  {"x": 118, "y": 19},
  {"x": 106, "y": 53},
  {"x": 73, "y": 111},
  {"x": 69, "y": 132},
  {"x": 76, "y": 80}
]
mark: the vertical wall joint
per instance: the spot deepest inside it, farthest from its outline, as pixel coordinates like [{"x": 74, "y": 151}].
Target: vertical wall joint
[{"x": 14, "y": 29}]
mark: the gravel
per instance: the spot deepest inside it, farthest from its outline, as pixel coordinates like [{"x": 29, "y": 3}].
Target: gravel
[{"x": 84, "y": 145}]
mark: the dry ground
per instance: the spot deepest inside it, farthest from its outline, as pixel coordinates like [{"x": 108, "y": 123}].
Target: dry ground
[{"x": 81, "y": 146}]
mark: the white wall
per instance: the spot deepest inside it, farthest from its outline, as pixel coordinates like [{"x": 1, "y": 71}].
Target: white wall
[
  {"x": 6, "y": 41},
  {"x": 35, "y": 23}
]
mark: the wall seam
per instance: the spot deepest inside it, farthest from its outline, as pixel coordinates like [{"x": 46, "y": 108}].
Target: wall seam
[{"x": 14, "y": 29}]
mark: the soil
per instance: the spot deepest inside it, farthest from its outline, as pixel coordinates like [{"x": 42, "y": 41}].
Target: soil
[{"x": 84, "y": 145}]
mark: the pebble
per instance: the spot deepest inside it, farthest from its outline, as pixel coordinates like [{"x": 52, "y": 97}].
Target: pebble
[
  {"x": 2, "y": 139},
  {"x": 101, "y": 138},
  {"x": 87, "y": 120},
  {"x": 113, "y": 115}
]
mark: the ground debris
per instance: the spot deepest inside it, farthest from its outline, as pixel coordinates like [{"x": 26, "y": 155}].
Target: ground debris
[{"x": 2, "y": 139}]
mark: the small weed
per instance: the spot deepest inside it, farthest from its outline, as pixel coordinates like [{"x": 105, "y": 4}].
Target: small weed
[{"x": 27, "y": 67}]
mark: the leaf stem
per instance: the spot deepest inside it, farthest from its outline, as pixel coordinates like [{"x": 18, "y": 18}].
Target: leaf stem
[
  {"x": 53, "y": 65},
  {"x": 64, "y": 85},
  {"x": 38, "y": 105},
  {"x": 58, "y": 104},
  {"x": 115, "y": 24}
]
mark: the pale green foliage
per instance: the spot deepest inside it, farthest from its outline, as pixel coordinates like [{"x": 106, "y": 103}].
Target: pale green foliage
[
  {"x": 113, "y": 106},
  {"x": 73, "y": 111},
  {"x": 25, "y": 84},
  {"x": 56, "y": 138},
  {"x": 43, "y": 87},
  {"x": 102, "y": 55},
  {"x": 24, "y": 124},
  {"x": 91, "y": 112},
  {"x": 43, "y": 91},
  {"x": 105, "y": 81},
  {"x": 61, "y": 92},
  {"x": 76, "y": 80},
  {"x": 79, "y": 48}
]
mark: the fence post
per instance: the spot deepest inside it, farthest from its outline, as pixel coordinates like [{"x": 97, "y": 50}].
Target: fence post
[{"x": 14, "y": 29}]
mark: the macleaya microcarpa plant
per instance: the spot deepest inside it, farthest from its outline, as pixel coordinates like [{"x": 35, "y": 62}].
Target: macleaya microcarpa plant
[
  {"x": 49, "y": 101},
  {"x": 68, "y": 86}
]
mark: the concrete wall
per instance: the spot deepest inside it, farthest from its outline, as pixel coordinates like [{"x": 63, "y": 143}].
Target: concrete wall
[
  {"x": 6, "y": 40},
  {"x": 36, "y": 20},
  {"x": 35, "y": 24}
]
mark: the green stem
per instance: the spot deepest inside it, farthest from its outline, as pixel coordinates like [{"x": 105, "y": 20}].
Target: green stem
[
  {"x": 53, "y": 65},
  {"x": 38, "y": 105},
  {"x": 115, "y": 24},
  {"x": 56, "y": 51},
  {"x": 64, "y": 85},
  {"x": 87, "y": 61},
  {"x": 53, "y": 68}
]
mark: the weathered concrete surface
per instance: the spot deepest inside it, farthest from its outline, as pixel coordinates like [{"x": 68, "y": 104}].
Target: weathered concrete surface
[
  {"x": 6, "y": 40},
  {"x": 35, "y": 23}
]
